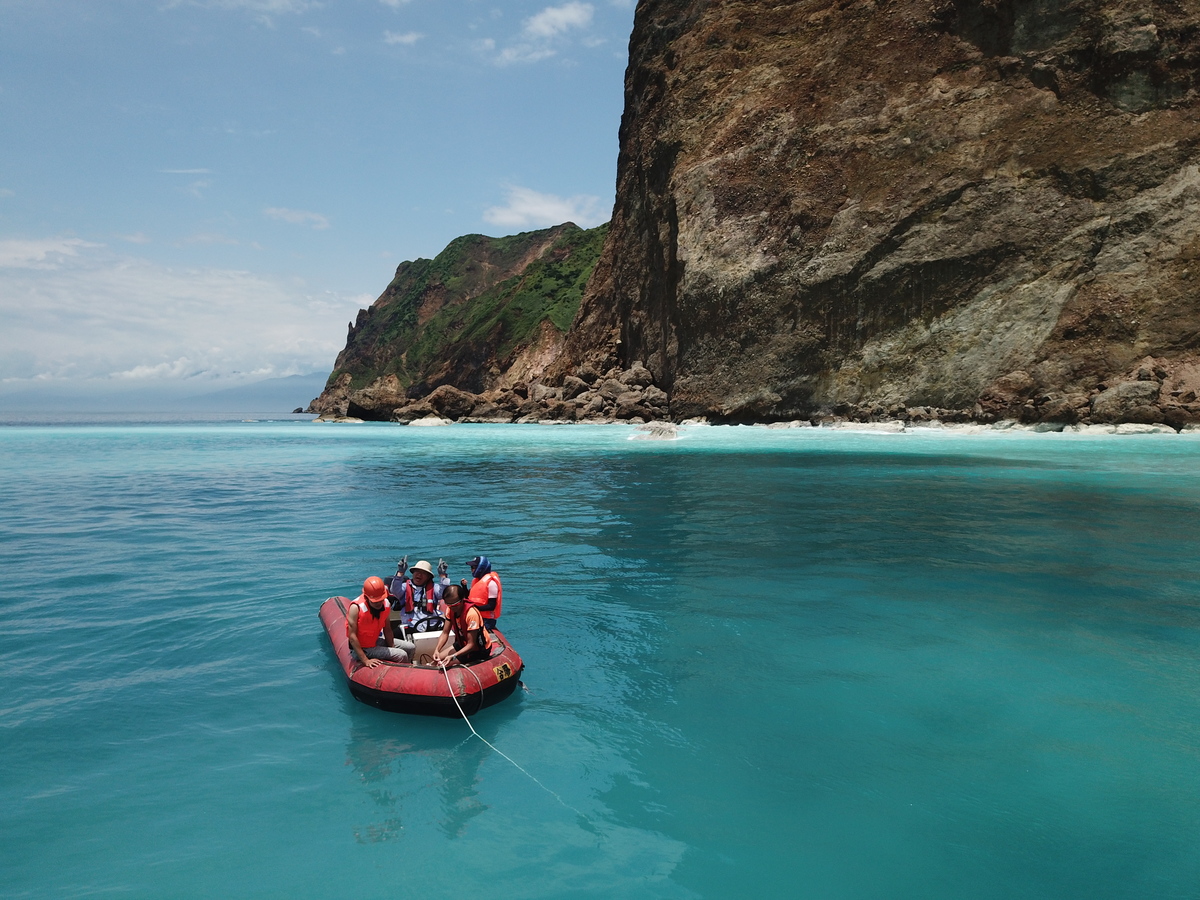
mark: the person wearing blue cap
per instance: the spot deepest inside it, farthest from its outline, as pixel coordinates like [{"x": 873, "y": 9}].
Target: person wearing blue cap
[{"x": 486, "y": 593}]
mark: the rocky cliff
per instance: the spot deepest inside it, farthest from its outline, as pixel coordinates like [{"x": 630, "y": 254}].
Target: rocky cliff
[
  {"x": 872, "y": 208},
  {"x": 484, "y": 315}
]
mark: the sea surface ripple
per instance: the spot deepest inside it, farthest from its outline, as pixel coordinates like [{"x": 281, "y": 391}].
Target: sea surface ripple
[{"x": 759, "y": 663}]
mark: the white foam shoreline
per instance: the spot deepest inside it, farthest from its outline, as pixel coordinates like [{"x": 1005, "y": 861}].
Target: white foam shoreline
[{"x": 1011, "y": 426}]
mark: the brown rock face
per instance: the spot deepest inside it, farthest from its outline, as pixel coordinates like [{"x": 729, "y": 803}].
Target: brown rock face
[
  {"x": 484, "y": 313},
  {"x": 383, "y": 394},
  {"x": 852, "y": 207}
]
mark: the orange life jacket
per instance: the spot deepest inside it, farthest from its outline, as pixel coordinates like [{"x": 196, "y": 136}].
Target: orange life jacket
[
  {"x": 479, "y": 594},
  {"x": 370, "y": 627},
  {"x": 470, "y": 620}
]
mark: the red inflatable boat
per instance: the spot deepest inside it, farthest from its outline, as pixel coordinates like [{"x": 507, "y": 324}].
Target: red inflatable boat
[{"x": 420, "y": 686}]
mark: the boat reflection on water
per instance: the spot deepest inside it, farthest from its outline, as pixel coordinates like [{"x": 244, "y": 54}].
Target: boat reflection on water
[{"x": 401, "y": 765}]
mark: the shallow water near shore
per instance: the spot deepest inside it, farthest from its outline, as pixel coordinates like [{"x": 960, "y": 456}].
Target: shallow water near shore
[{"x": 760, "y": 662}]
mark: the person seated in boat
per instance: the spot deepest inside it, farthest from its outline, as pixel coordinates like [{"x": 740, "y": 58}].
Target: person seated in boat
[
  {"x": 418, "y": 595},
  {"x": 464, "y": 638},
  {"x": 369, "y": 628},
  {"x": 486, "y": 594}
]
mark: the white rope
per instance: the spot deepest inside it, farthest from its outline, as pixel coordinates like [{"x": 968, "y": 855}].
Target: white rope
[{"x": 454, "y": 697}]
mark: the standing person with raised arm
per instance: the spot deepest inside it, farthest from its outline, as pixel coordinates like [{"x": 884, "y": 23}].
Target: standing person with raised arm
[
  {"x": 486, "y": 594},
  {"x": 418, "y": 595},
  {"x": 369, "y": 629}
]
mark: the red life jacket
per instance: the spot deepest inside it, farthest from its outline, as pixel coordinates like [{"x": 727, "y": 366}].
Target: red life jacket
[
  {"x": 432, "y": 604},
  {"x": 479, "y": 594},
  {"x": 370, "y": 627},
  {"x": 470, "y": 620}
]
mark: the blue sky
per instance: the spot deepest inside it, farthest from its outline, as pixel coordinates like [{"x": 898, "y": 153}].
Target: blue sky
[{"x": 197, "y": 192}]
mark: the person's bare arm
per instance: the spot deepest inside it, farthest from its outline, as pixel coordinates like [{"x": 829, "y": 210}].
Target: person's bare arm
[
  {"x": 442, "y": 642},
  {"x": 355, "y": 646},
  {"x": 471, "y": 643}
]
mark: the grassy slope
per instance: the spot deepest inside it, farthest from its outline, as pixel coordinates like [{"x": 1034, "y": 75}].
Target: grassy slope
[{"x": 481, "y": 320}]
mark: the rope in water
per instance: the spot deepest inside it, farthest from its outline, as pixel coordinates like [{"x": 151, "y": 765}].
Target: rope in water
[{"x": 454, "y": 697}]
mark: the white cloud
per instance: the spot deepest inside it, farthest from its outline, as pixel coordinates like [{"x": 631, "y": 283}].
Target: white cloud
[
  {"x": 73, "y": 309},
  {"x": 543, "y": 32},
  {"x": 49, "y": 253},
  {"x": 555, "y": 20},
  {"x": 185, "y": 171},
  {"x": 394, "y": 4},
  {"x": 297, "y": 217},
  {"x": 210, "y": 237},
  {"x": 523, "y": 53},
  {"x": 263, "y": 7},
  {"x": 407, "y": 39},
  {"x": 5, "y": 192},
  {"x": 526, "y": 207},
  {"x": 179, "y": 368}
]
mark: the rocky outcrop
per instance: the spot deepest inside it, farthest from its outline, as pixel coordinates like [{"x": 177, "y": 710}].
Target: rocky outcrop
[
  {"x": 617, "y": 395},
  {"x": 970, "y": 209},
  {"x": 485, "y": 313}
]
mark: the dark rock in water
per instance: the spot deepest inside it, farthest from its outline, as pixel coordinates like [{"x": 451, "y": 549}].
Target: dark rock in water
[
  {"x": 487, "y": 411},
  {"x": 1058, "y": 409},
  {"x": 855, "y": 205},
  {"x": 410, "y": 412},
  {"x": 376, "y": 401},
  {"x": 298, "y": 409},
  {"x": 452, "y": 403},
  {"x": 1129, "y": 401}
]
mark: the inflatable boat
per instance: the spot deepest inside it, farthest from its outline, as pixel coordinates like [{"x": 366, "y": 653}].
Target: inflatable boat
[{"x": 420, "y": 686}]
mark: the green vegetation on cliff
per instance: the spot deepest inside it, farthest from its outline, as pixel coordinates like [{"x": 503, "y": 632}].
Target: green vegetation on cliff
[{"x": 457, "y": 318}]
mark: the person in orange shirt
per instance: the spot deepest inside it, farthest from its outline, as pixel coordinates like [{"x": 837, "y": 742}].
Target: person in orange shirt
[{"x": 464, "y": 638}]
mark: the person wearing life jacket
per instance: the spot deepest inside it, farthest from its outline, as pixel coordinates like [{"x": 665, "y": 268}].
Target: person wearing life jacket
[
  {"x": 369, "y": 629},
  {"x": 464, "y": 638},
  {"x": 418, "y": 595},
  {"x": 486, "y": 594}
]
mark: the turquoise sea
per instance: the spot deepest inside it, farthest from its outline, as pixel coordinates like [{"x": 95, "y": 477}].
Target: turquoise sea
[{"x": 764, "y": 663}]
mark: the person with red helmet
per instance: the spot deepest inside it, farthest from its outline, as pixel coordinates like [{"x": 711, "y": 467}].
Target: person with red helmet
[{"x": 369, "y": 628}]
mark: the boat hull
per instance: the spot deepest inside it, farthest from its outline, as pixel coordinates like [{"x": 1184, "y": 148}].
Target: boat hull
[{"x": 423, "y": 689}]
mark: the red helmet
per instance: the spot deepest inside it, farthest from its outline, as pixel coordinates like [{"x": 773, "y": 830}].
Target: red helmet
[{"x": 374, "y": 590}]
